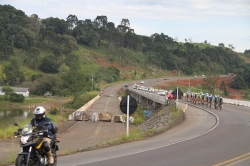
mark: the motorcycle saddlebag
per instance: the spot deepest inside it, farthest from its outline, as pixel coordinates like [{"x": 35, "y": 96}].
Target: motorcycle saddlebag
[{"x": 54, "y": 128}]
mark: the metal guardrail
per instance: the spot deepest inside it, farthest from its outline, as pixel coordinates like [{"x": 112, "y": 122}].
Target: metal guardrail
[
  {"x": 237, "y": 102},
  {"x": 153, "y": 96},
  {"x": 150, "y": 95}
]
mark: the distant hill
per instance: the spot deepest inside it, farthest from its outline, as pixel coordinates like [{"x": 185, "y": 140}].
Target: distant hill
[{"x": 72, "y": 56}]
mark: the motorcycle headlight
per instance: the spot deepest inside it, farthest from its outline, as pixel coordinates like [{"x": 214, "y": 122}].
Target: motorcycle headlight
[{"x": 24, "y": 139}]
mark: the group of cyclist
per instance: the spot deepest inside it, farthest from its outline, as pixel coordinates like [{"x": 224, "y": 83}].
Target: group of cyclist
[{"x": 204, "y": 99}]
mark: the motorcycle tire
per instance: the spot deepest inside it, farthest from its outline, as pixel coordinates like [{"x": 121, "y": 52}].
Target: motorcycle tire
[
  {"x": 55, "y": 158},
  {"x": 20, "y": 160}
]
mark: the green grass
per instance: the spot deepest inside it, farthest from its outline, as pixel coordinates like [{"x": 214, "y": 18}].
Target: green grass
[
  {"x": 28, "y": 101},
  {"x": 175, "y": 113},
  {"x": 7, "y": 132},
  {"x": 246, "y": 59},
  {"x": 138, "y": 115}
]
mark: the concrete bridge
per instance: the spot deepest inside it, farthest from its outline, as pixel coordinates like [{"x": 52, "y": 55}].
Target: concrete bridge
[{"x": 149, "y": 99}]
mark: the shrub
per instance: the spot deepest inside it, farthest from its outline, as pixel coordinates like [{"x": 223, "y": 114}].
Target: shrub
[
  {"x": 14, "y": 97},
  {"x": 54, "y": 111}
]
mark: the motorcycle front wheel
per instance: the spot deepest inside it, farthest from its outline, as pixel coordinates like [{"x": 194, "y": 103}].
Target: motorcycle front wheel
[
  {"x": 20, "y": 160},
  {"x": 55, "y": 159}
]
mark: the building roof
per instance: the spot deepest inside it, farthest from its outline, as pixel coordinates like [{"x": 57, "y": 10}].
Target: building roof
[{"x": 17, "y": 89}]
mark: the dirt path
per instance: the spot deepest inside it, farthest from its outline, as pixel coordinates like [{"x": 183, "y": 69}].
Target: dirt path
[{"x": 233, "y": 93}]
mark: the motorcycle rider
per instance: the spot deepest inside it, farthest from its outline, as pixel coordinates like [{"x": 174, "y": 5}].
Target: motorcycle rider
[{"x": 38, "y": 121}]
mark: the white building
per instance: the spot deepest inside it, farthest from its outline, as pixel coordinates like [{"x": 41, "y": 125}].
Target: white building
[{"x": 24, "y": 91}]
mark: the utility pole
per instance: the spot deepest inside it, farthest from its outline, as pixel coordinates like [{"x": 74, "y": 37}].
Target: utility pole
[
  {"x": 92, "y": 82},
  {"x": 177, "y": 98},
  {"x": 189, "y": 84}
]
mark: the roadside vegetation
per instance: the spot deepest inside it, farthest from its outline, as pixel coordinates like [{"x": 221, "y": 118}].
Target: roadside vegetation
[{"x": 136, "y": 134}]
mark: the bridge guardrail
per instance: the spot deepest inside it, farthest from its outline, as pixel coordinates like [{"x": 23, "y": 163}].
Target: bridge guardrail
[{"x": 155, "y": 97}]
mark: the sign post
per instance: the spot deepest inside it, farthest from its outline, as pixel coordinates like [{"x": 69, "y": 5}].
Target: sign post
[
  {"x": 128, "y": 106},
  {"x": 127, "y": 128}
]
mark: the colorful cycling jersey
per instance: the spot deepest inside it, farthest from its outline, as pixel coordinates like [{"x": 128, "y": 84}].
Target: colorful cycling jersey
[{"x": 216, "y": 99}]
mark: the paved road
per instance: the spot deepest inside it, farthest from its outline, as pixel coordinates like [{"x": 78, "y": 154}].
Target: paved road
[
  {"x": 87, "y": 133},
  {"x": 196, "y": 124},
  {"x": 201, "y": 140}
]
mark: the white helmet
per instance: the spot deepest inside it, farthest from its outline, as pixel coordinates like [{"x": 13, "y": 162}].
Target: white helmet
[{"x": 39, "y": 112}]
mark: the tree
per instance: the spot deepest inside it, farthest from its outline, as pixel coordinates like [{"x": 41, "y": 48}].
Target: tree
[
  {"x": 101, "y": 21},
  {"x": 90, "y": 38},
  {"x": 224, "y": 88},
  {"x": 13, "y": 75},
  {"x": 2, "y": 75},
  {"x": 246, "y": 75},
  {"x": 226, "y": 93},
  {"x": 6, "y": 49},
  {"x": 49, "y": 64},
  {"x": 238, "y": 83},
  {"x": 74, "y": 79},
  {"x": 231, "y": 46},
  {"x": 222, "y": 85},
  {"x": 125, "y": 22},
  {"x": 33, "y": 56},
  {"x": 247, "y": 51},
  {"x": 210, "y": 83},
  {"x": 51, "y": 83},
  {"x": 122, "y": 28},
  {"x": 58, "y": 26},
  {"x": 72, "y": 20},
  {"x": 221, "y": 45},
  {"x": 7, "y": 91},
  {"x": 33, "y": 23},
  {"x": 110, "y": 26},
  {"x": 14, "y": 97},
  {"x": 47, "y": 36}
]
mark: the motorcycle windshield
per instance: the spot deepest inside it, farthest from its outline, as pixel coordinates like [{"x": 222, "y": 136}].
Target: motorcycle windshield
[{"x": 27, "y": 129}]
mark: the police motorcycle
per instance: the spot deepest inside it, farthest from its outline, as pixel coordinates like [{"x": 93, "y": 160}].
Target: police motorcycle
[{"x": 31, "y": 141}]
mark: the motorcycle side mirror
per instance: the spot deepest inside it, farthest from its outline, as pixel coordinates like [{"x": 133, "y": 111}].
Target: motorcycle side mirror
[
  {"x": 16, "y": 133},
  {"x": 15, "y": 123}
]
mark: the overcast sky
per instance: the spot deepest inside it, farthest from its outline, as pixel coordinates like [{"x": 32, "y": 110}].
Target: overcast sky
[{"x": 217, "y": 21}]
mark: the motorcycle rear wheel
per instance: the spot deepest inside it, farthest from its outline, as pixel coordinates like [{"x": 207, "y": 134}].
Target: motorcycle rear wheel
[{"x": 20, "y": 160}]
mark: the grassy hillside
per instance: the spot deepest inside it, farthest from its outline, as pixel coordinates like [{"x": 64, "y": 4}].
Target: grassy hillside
[
  {"x": 246, "y": 59},
  {"x": 92, "y": 58}
]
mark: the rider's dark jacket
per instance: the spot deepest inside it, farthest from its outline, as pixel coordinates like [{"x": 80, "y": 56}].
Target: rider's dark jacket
[{"x": 40, "y": 123}]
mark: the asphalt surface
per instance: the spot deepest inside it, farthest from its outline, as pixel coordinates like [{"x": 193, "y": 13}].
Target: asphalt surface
[
  {"x": 218, "y": 138},
  {"x": 196, "y": 124}
]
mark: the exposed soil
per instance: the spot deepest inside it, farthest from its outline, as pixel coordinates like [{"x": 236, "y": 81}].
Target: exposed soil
[{"x": 233, "y": 93}]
